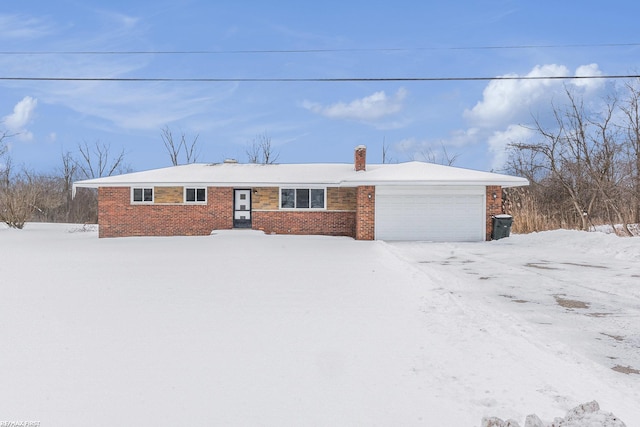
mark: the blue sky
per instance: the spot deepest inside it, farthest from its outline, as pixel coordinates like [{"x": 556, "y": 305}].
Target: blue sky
[{"x": 306, "y": 121}]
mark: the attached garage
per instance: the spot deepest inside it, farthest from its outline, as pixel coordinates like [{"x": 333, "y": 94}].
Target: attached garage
[{"x": 430, "y": 213}]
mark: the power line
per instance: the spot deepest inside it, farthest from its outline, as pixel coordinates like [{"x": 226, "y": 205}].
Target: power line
[
  {"x": 321, "y": 80},
  {"x": 328, "y": 50}
]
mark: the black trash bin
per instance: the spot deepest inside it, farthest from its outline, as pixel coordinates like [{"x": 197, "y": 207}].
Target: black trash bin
[{"x": 501, "y": 226}]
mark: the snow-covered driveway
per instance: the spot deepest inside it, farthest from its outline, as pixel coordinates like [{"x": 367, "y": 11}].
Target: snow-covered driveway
[
  {"x": 580, "y": 289},
  {"x": 240, "y": 328}
]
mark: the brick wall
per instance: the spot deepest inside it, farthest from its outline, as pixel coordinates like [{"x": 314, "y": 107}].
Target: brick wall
[
  {"x": 365, "y": 212},
  {"x": 338, "y": 198},
  {"x": 119, "y": 218},
  {"x": 299, "y": 222},
  {"x": 337, "y": 220},
  {"x": 494, "y": 207}
]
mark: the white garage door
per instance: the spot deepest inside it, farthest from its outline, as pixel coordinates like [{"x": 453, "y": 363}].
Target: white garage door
[{"x": 439, "y": 214}]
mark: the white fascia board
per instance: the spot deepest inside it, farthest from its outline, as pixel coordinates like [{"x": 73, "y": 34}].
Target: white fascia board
[
  {"x": 277, "y": 184},
  {"x": 521, "y": 184},
  {"x": 514, "y": 183},
  {"x": 142, "y": 184},
  {"x": 348, "y": 183},
  {"x": 82, "y": 184}
]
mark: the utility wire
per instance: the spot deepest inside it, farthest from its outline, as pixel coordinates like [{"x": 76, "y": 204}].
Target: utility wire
[
  {"x": 350, "y": 50},
  {"x": 326, "y": 80}
]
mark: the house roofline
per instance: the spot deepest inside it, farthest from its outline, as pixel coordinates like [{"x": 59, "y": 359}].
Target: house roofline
[
  {"x": 439, "y": 183},
  {"x": 518, "y": 182}
]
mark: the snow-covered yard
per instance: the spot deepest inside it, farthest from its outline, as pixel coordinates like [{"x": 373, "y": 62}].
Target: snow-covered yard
[{"x": 241, "y": 328}]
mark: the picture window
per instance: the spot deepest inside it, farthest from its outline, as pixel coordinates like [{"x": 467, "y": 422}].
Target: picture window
[{"x": 302, "y": 198}]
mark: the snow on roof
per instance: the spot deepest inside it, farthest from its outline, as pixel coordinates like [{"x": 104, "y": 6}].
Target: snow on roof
[
  {"x": 339, "y": 174},
  {"x": 430, "y": 174}
]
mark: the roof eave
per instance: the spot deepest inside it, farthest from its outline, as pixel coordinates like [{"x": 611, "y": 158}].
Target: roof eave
[
  {"x": 445, "y": 183},
  {"x": 87, "y": 184}
]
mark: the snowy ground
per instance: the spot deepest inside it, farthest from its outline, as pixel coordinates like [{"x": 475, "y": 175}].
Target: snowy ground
[{"x": 241, "y": 328}]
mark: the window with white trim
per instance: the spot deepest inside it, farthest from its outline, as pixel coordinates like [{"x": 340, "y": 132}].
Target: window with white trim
[
  {"x": 142, "y": 195},
  {"x": 195, "y": 195},
  {"x": 302, "y": 198}
]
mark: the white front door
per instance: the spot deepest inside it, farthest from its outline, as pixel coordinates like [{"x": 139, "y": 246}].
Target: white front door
[{"x": 242, "y": 208}]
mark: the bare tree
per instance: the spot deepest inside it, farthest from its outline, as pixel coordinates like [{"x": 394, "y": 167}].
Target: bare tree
[
  {"x": 559, "y": 153},
  {"x": 55, "y": 201},
  {"x": 605, "y": 165},
  {"x": 261, "y": 151},
  {"x": 50, "y": 201},
  {"x": 3, "y": 146},
  {"x": 385, "y": 152},
  {"x": 25, "y": 195},
  {"x": 631, "y": 130},
  {"x": 574, "y": 166},
  {"x": 16, "y": 204},
  {"x": 67, "y": 173},
  {"x": 96, "y": 160},
  {"x": 442, "y": 157},
  {"x": 182, "y": 149}
]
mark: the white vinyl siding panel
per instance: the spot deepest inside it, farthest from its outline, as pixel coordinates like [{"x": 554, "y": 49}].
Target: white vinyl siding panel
[{"x": 439, "y": 214}]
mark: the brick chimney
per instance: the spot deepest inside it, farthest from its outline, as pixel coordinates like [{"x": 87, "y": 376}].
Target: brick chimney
[{"x": 360, "y": 160}]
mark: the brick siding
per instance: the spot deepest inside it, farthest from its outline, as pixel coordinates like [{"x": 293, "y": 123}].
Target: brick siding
[
  {"x": 118, "y": 217},
  {"x": 338, "y": 198},
  {"x": 494, "y": 207},
  {"x": 365, "y": 212},
  {"x": 314, "y": 222}
]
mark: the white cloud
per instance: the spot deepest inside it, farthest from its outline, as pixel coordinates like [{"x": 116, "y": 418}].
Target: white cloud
[
  {"x": 508, "y": 101},
  {"x": 120, "y": 19},
  {"x": 499, "y": 141},
  {"x": 497, "y": 118},
  {"x": 505, "y": 100},
  {"x": 123, "y": 105},
  {"x": 142, "y": 107},
  {"x": 585, "y": 71},
  {"x": 369, "y": 108},
  {"x": 22, "y": 27},
  {"x": 439, "y": 150},
  {"x": 22, "y": 115},
  {"x": 507, "y": 104},
  {"x": 460, "y": 138}
]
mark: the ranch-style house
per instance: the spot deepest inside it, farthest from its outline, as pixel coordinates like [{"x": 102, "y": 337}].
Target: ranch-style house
[{"x": 403, "y": 201}]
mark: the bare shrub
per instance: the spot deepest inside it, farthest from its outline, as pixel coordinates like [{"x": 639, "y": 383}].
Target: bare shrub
[{"x": 18, "y": 195}]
